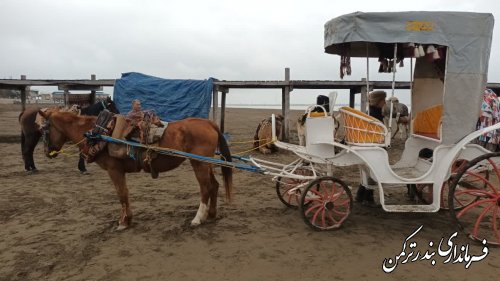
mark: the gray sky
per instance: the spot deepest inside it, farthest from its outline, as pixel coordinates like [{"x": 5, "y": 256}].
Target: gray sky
[{"x": 188, "y": 39}]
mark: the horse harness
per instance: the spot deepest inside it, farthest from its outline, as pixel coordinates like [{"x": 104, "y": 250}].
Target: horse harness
[{"x": 145, "y": 131}]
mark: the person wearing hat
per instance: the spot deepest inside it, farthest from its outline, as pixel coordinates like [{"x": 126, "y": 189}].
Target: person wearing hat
[{"x": 376, "y": 102}]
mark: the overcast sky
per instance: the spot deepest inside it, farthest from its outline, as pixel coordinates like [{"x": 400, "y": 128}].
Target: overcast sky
[{"x": 188, "y": 39}]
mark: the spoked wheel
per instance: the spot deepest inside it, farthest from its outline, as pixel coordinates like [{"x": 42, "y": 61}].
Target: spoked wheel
[
  {"x": 481, "y": 218},
  {"x": 290, "y": 190},
  {"x": 462, "y": 200},
  {"x": 326, "y": 203}
]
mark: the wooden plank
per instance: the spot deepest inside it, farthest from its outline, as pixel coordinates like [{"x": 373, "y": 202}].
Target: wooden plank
[
  {"x": 74, "y": 87},
  {"x": 49, "y": 82},
  {"x": 297, "y": 84},
  {"x": 311, "y": 84}
]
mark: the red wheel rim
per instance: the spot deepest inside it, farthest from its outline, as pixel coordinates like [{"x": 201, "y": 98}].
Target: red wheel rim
[
  {"x": 290, "y": 190},
  {"x": 461, "y": 200},
  {"x": 327, "y": 205},
  {"x": 289, "y": 193},
  {"x": 480, "y": 219}
]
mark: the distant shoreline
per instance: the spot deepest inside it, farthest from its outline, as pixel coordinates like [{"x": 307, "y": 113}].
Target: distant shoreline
[{"x": 278, "y": 106}]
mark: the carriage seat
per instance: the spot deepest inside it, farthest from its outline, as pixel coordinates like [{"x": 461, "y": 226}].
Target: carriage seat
[
  {"x": 362, "y": 129},
  {"x": 427, "y": 123},
  {"x": 320, "y": 131}
]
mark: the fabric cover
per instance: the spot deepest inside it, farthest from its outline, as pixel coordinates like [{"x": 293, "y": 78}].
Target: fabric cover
[
  {"x": 467, "y": 37},
  {"x": 171, "y": 99}
]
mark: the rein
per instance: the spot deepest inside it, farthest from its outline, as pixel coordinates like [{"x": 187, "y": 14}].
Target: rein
[
  {"x": 45, "y": 132},
  {"x": 46, "y": 139}
]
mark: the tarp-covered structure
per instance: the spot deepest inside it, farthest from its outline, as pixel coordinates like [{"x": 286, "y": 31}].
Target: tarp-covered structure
[
  {"x": 171, "y": 99},
  {"x": 467, "y": 38}
]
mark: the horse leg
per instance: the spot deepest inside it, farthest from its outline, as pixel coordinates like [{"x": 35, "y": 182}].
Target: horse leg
[
  {"x": 81, "y": 165},
  {"x": 214, "y": 190},
  {"x": 119, "y": 181},
  {"x": 263, "y": 146},
  {"x": 23, "y": 140},
  {"x": 202, "y": 173},
  {"x": 28, "y": 147}
]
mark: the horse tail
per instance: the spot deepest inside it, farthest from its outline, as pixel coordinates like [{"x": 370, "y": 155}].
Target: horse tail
[
  {"x": 23, "y": 141},
  {"x": 20, "y": 115},
  {"x": 227, "y": 172}
]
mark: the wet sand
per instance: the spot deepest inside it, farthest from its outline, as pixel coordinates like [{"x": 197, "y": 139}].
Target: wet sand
[{"x": 60, "y": 225}]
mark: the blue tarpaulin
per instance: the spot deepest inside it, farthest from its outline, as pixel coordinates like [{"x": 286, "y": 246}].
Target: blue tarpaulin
[{"x": 171, "y": 99}]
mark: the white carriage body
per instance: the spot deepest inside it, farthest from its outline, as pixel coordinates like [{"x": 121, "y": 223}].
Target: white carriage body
[{"x": 467, "y": 40}]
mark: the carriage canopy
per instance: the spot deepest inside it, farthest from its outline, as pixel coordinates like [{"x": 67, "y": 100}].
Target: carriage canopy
[{"x": 455, "y": 80}]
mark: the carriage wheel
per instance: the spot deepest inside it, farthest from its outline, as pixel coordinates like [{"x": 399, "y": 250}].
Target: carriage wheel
[
  {"x": 289, "y": 190},
  {"x": 480, "y": 219},
  {"x": 462, "y": 200},
  {"x": 326, "y": 203}
]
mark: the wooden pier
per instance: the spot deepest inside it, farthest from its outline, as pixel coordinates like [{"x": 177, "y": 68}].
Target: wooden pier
[{"x": 287, "y": 85}]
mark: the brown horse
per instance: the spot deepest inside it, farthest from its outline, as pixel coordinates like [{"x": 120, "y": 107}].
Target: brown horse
[
  {"x": 31, "y": 134},
  {"x": 192, "y": 135}
]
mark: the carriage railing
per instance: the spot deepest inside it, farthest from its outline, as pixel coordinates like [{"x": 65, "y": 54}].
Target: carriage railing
[{"x": 286, "y": 171}]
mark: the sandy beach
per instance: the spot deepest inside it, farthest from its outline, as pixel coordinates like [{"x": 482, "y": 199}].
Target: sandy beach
[{"x": 60, "y": 225}]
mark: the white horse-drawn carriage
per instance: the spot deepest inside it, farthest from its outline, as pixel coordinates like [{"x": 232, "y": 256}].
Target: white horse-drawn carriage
[{"x": 451, "y": 52}]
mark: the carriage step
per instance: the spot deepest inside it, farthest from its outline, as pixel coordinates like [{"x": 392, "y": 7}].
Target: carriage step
[{"x": 411, "y": 208}]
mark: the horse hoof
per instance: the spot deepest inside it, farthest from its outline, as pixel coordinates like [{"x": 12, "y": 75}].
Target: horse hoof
[
  {"x": 121, "y": 227},
  {"x": 195, "y": 222},
  {"x": 84, "y": 173}
]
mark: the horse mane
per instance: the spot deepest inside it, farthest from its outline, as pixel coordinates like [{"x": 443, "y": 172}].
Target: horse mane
[
  {"x": 93, "y": 109},
  {"x": 81, "y": 120}
]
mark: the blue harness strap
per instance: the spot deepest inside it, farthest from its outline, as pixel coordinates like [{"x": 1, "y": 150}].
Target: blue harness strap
[{"x": 172, "y": 152}]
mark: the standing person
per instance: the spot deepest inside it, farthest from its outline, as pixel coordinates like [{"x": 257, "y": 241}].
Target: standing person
[
  {"x": 136, "y": 114},
  {"x": 489, "y": 115},
  {"x": 376, "y": 101}
]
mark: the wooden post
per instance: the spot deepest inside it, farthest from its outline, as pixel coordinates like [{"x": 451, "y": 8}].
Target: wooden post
[
  {"x": 66, "y": 97},
  {"x": 24, "y": 93},
  {"x": 92, "y": 93},
  {"x": 352, "y": 97},
  {"x": 364, "y": 97},
  {"x": 285, "y": 107},
  {"x": 215, "y": 103},
  {"x": 223, "y": 109}
]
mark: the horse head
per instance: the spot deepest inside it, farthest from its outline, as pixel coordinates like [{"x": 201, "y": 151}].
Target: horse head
[
  {"x": 111, "y": 106},
  {"x": 53, "y": 138}
]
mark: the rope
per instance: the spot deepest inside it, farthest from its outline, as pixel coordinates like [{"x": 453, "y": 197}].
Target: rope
[
  {"x": 238, "y": 142},
  {"x": 255, "y": 148},
  {"x": 62, "y": 150}
]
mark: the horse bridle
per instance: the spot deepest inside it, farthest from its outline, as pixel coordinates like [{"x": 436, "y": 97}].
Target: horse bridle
[{"x": 45, "y": 130}]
